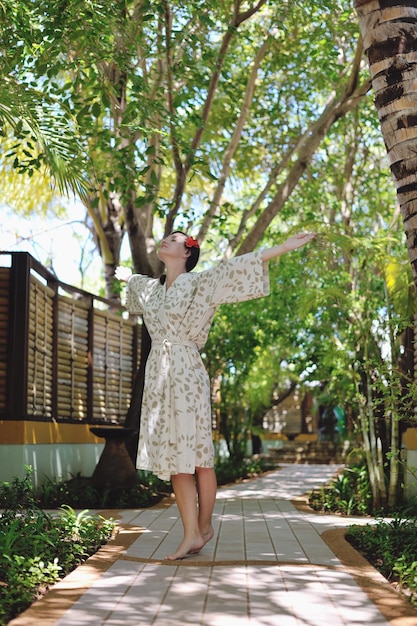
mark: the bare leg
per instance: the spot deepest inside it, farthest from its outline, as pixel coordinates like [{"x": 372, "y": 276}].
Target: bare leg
[
  {"x": 206, "y": 488},
  {"x": 186, "y": 497}
]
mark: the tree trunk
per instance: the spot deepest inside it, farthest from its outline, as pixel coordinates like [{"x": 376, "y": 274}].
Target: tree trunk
[
  {"x": 134, "y": 412},
  {"x": 376, "y": 456},
  {"x": 394, "y": 463},
  {"x": 368, "y": 455},
  {"x": 389, "y": 33}
]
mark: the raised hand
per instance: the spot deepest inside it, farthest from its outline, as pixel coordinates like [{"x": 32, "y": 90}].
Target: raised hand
[
  {"x": 299, "y": 240},
  {"x": 123, "y": 273}
]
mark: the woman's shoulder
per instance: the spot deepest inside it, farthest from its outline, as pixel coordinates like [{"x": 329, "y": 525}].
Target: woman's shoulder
[{"x": 141, "y": 282}]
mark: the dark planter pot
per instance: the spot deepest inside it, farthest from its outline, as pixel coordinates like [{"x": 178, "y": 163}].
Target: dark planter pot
[{"x": 114, "y": 469}]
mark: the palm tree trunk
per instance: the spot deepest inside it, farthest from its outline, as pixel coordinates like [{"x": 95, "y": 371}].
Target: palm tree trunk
[{"x": 389, "y": 33}]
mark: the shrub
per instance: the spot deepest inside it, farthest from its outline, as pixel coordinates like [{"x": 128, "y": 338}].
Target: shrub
[
  {"x": 391, "y": 547},
  {"x": 230, "y": 470},
  {"x": 36, "y": 549},
  {"x": 349, "y": 493},
  {"x": 79, "y": 492}
]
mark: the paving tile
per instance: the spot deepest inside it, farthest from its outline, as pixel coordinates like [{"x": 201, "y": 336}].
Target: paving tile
[
  {"x": 146, "y": 598},
  {"x": 227, "y": 596},
  {"x": 95, "y": 606}
]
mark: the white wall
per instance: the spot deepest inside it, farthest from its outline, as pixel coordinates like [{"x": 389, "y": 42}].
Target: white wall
[{"x": 49, "y": 461}]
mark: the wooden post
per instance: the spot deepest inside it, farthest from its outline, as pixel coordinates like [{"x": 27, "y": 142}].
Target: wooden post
[{"x": 18, "y": 338}]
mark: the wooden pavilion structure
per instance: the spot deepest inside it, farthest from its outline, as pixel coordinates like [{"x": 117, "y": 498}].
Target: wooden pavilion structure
[{"x": 67, "y": 362}]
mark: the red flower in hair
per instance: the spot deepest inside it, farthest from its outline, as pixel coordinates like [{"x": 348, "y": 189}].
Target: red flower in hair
[{"x": 190, "y": 242}]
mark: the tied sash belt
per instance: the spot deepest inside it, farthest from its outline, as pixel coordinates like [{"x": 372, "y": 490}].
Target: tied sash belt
[
  {"x": 167, "y": 382},
  {"x": 167, "y": 343}
]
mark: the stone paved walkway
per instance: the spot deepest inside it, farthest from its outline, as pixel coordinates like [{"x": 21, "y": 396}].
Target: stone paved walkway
[{"x": 268, "y": 565}]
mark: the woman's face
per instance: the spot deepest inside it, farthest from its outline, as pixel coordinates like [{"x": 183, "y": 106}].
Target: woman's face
[{"x": 173, "y": 247}]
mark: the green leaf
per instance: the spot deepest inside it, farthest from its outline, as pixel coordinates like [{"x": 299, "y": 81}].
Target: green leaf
[{"x": 96, "y": 109}]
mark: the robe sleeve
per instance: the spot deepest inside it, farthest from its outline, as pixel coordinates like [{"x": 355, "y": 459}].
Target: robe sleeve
[
  {"x": 241, "y": 278},
  {"x": 137, "y": 292}
]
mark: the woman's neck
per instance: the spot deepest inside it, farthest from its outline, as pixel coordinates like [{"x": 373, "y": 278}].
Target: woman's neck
[{"x": 172, "y": 274}]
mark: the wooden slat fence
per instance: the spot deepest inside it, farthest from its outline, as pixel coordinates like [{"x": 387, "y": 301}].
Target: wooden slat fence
[
  {"x": 65, "y": 355},
  {"x": 40, "y": 354},
  {"x": 4, "y": 320}
]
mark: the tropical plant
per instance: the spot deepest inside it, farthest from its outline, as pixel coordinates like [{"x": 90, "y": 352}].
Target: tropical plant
[
  {"x": 36, "y": 549},
  {"x": 391, "y": 547},
  {"x": 349, "y": 493},
  {"x": 46, "y": 135},
  {"x": 218, "y": 117}
]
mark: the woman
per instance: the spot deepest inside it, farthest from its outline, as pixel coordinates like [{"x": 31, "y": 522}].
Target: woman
[{"x": 175, "y": 440}]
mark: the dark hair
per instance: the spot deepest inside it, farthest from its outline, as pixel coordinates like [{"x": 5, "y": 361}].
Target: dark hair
[{"x": 192, "y": 259}]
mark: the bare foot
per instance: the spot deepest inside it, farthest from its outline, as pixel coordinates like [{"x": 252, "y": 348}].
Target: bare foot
[
  {"x": 206, "y": 536},
  {"x": 187, "y": 546}
]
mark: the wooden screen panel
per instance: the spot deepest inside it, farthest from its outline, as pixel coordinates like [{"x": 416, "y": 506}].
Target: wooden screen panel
[
  {"x": 72, "y": 359},
  {"x": 112, "y": 366},
  {"x": 40, "y": 350}
]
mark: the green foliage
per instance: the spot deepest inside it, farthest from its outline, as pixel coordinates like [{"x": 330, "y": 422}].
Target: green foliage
[
  {"x": 48, "y": 135},
  {"x": 138, "y": 90},
  {"x": 17, "y": 495},
  {"x": 80, "y": 492},
  {"x": 231, "y": 470},
  {"x": 36, "y": 549},
  {"x": 391, "y": 547},
  {"x": 27, "y": 577},
  {"x": 157, "y": 109},
  {"x": 348, "y": 494}
]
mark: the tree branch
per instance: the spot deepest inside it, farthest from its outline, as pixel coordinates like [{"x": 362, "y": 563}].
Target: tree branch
[
  {"x": 232, "y": 27},
  {"x": 338, "y": 106},
  {"x": 179, "y": 168},
  {"x": 231, "y": 149}
]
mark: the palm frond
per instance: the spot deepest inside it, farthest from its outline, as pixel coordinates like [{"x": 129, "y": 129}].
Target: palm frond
[{"x": 49, "y": 135}]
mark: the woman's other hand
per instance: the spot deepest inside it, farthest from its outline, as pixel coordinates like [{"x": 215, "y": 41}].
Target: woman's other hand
[{"x": 123, "y": 273}]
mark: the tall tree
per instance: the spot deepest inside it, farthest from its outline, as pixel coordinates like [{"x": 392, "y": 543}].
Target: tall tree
[
  {"x": 217, "y": 116},
  {"x": 389, "y": 33},
  {"x": 178, "y": 104}
]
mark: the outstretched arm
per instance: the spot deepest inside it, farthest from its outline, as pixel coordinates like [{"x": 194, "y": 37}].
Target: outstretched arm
[{"x": 292, "y": 243}]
